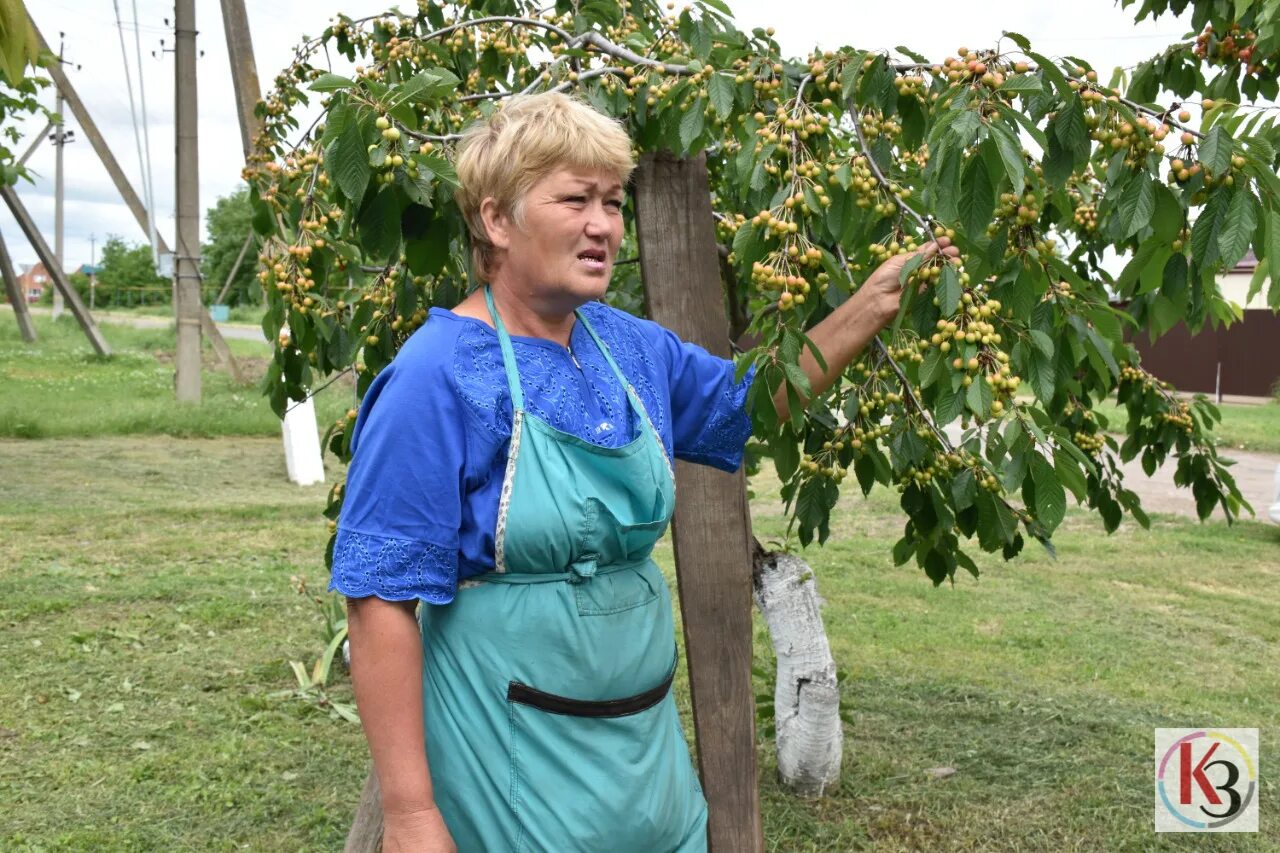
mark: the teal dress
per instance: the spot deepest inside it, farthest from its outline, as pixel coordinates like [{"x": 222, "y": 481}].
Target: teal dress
[{"x": 549, "y": 718}]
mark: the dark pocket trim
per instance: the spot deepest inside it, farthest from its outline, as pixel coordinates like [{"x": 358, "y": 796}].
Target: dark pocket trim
[{"x": 534, "y": 698}]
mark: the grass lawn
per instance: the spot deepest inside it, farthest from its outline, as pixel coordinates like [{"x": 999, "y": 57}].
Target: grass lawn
[
  {"x": 59, "y": 387},
  {"x": 1244, "y": 426},
  {"x": 148, "y": 619}
]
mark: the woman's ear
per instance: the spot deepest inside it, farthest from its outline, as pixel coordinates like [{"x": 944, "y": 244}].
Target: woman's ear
[{"x": 496, "y": 223}]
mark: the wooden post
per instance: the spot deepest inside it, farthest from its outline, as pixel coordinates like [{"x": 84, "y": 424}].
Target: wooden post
[
  {"x": 17, "y": 298},
  {"x": 244, "y": 70},
  {"x": 35, "y": 143},
  {"x": 365, "y": 835},
  {"x": 711, "y": 530},
  {"x": 37, "y": 242},
  {"x": 117, "y": 175}
]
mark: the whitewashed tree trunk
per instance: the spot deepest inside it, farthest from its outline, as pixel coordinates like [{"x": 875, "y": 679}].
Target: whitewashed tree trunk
[{"x": 806, "y": 699}]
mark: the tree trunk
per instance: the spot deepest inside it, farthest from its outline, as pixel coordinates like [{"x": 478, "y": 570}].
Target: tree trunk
[{"x": 806, "y": 697}]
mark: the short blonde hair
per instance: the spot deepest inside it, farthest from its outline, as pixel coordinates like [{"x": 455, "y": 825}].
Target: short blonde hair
[{"x": 526, "y": 139}]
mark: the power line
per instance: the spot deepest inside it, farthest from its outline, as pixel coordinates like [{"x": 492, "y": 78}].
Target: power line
[
  {"x": 137, "y": 135},
  {"x": 146, "y": 141}
]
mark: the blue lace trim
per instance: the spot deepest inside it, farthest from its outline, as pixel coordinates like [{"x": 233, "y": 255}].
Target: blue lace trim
[
  {"x": 392, "y": 569},
  {"x": 553, "y": 392},
  {"x": 728, "y": 429}
]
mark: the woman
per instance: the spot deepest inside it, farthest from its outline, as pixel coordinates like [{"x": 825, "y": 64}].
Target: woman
[{"x": 512, "y": 470}]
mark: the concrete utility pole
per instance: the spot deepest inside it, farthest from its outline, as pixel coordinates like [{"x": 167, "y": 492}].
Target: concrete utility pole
[
  {"x": 60, "y": 139},
  {"x": 186, "y": 263}
]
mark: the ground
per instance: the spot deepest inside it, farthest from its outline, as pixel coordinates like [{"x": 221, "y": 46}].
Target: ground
[{"x": 149, "y": 612}]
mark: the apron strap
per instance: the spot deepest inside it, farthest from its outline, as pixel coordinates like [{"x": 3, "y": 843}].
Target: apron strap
[
  {"x": 636, "y": 405},
  {"x": 508, "y": 354}
]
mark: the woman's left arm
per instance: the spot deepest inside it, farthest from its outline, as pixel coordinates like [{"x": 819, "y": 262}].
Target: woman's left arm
[{"x": 848, "y": 329}]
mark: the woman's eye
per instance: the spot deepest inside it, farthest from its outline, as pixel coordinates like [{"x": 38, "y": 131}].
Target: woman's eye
[
  {"x": 617, "y": 203},
  {"x": 576, "y": 199}
]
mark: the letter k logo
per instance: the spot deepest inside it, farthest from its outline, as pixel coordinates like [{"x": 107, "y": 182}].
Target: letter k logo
[{"x": 1188, "y": 773}]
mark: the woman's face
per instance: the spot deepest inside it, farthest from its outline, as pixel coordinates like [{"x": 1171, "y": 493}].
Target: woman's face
[{"x": 563, "y": 256}]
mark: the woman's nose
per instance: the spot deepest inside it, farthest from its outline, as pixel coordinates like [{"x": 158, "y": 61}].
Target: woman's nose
[{"x": 598, "y": 222}]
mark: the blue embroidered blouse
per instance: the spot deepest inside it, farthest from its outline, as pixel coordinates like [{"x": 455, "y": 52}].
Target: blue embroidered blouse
[{"x": 430, "y": 444}]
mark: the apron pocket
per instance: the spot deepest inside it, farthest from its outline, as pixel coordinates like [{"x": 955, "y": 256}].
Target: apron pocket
[
  {"x": 609, "y": 775},
  {"x": 614, "y": 592}
]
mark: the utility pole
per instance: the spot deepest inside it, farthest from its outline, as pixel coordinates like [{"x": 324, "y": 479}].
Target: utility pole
[
  {"x": 127, "y": 192},
  {"x": 60, "y": 138},
  {"x": 186, "y": 263}
]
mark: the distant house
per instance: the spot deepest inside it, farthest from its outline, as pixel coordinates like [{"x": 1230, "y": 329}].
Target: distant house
[
  {"x": 1243, "y": 358},
  {"x": 33, "y": 280}
]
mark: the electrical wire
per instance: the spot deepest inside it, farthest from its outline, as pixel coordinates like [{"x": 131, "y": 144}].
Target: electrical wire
[
  {"x": 133, "y": 114},
  {"x": 149, "y": 183}
]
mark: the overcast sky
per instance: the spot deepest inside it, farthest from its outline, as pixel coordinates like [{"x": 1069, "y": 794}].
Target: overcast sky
[{"x": 1096, "y": 30}]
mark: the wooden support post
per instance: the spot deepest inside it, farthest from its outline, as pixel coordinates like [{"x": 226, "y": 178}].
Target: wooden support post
[
  {"x": 235, "y": 268},
  {"x": 244, "y": 70},
  {"x": 711, "y": 530},
  {"x": 365, "y": 835},
  {"x": 125, "y": 188},
  {"x": 37, "y": 242},
  {"x": 35, "y": 143},
  {"x": 17, "y": 298}
]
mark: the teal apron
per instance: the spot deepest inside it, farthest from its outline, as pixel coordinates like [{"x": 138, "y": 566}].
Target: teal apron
[{"x": 550, "y": 722}]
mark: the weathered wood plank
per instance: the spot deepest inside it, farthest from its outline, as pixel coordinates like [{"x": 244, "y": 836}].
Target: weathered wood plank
[
  {"x": 680, "y": 267},
  {"x": 365, "y": 835}
]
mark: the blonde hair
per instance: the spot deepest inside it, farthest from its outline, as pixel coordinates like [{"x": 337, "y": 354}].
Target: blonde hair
[{"x": 529, "y": 137}]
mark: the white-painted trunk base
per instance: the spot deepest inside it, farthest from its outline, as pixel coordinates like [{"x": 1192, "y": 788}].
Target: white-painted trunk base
[
  {"x": 302, "y": 444},
  {"x": 806, "y": 699}
]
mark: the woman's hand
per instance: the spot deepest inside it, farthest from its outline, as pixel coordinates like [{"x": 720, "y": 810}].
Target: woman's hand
[
  {"x": 884, "y": 293},
  {"x": 417, "y": 832}
]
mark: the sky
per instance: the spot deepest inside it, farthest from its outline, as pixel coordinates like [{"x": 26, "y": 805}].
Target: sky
[{"x": 1095, "y": 30}]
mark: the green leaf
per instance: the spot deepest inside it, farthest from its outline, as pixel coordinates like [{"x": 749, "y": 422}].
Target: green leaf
[
  {"x": 1168, "y": 217},
  {"x": 748, "y": 245},
  {"x": 949, "y": 290},
  {"x": 996, "y": 524},
  {"x": 691, "y": 125},
  {"x": 1069, "y": 473},
  {"x": 428, "y": 84},
  {"x": 331, "y": 83},
  {"x": 1136, "y": 206},
  {"x": 979, "y": 396},
  {"x": 1011, "y": 153},
  {"x": 1018, "y": 39},
  {"x": 378, "y": 226},
  {"x": 1069, "y": 128},
  {"x": 1042, "y": 375},
  {"x": 1054, "y": 73},
  {"x": 1042, "y": 342},
  {"x": 977, "y": 198},
  {"x": 347, "y": 162},
  {"x": 1051, "y": 498},
  {"x": 1215, "y": 150},
  {"x": 721, "y": 91},
  {"x": 1208, "y": 225},
  {"x": 913, "y": 263},
  {"x": 1237, "y": 229},
  {"x": 1021, "y": 83}
]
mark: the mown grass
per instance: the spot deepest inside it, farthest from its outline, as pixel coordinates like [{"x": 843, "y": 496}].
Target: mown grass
[
  {"x": 148, "y": 617},
  {"x": 58, "y": 386},
  {"x": 1244, "y": 426}
]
